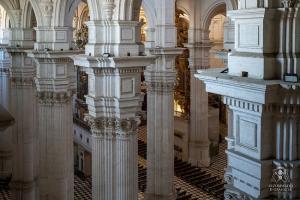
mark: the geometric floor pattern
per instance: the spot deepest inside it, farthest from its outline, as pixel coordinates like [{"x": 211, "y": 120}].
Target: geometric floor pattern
[
  {"x": 83, "y": 187},
  {"x": 219, "y": 163},
  {"x": 5, "y": 194},
  {"x": 216, "y": 169}
]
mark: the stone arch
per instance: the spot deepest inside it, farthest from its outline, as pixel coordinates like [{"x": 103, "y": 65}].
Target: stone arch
[
  {"x": 180, "y": 6},
  {"x": 218, "y": 7},
  {"x": 27, "y": 15},
  {"x": 8, "y": 7},
  {"x": 149, "y": 12},
  {"x": 63, "y": 11},
  {"x": 37, "y": 11}
]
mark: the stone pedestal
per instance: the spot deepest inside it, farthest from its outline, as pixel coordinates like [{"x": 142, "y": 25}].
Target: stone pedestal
[
  {"x": 160, "y": 80},
  {"x": 263, "y": 113},
  {"x": 114, "y": 99},
  {"x": 23, "y": 98},
  {"x": 55, "y": 82}
]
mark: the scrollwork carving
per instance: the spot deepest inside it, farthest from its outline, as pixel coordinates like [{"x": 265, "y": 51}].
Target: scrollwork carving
[
  {"x": 160, "y": 87},
  {"x": 109, "y": 126},
  {"x": 54, "y": 97}
]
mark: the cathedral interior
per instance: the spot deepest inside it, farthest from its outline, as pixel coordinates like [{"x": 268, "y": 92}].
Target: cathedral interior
[{"x": 149, "y": 99}]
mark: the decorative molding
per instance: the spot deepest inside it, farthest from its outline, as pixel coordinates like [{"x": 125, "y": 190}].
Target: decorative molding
[
  {"x": 228, "y": 178},
  {"x": 242, "y": 104},
  {"x": 54, "y": 60},
  {"x": 161, "y": 87},
  {"x": 112, "y": 70},
  {"x": 110, "y": 126},
  {"x": 22, "y": 81},
  {"x": 54, "y": 97}
]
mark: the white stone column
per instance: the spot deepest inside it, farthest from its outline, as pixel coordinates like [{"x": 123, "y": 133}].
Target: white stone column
[
  {"x": 114, "y": 166},
  {"x": 113, "y": 63},
  {"x": 199, "y": 143},
  {"x": 113, "y": 102},
  {"x": 23, "y": 98},
  {"x": 160, "y": 78},
  {"x": 160, "y": 125},
  {"x": 6, "y": 135},
  {"x": 55, "y": 82}
]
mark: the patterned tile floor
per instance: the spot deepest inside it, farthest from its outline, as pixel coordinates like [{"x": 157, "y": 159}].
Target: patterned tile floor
[
  {"x": 219, "y": 163},
  {"x": 83, "y": 188},
  {"x": 216, "y": 169},
  {"x": 5, "y": 194}
]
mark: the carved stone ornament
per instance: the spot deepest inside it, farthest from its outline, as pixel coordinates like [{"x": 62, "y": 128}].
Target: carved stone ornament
[
  {"x": 54, "y": 97},
  {"x": 108, "y": 126},
  {"x": 228, "y": 178},
  {"x": 161, "y": 87},
  {"x": 22, "y": 81}
]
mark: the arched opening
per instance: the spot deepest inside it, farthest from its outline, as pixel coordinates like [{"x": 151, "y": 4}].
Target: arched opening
[
  {"x": 29, "y": 20},
  {"x": 217, "y": 111},
  {"x": 216, "y": 36},
  {"x": 181, "y": 96},
  {"x": 80, "y": 33}
]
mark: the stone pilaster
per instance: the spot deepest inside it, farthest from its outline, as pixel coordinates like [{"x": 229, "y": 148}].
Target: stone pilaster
[
  {"x": 55, "y": 82},
  {"x": 160, "y": 80},
  {"x": 263, "y": 155},
  {"x": 113, "y": 101},
  {"x": 6, "y": 135},
  {"x": 199, "y": 143},
  {"x": 23, "y": 98}
]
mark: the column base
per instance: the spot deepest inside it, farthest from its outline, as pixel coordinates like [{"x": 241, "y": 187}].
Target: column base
[
  {"x": 199, "y": 154},
  {"x": 149, "y": 196},
  {"x": 23, "y": 190}
]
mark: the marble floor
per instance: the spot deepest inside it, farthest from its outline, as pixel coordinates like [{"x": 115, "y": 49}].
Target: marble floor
[{"x": 83, "y": 187}]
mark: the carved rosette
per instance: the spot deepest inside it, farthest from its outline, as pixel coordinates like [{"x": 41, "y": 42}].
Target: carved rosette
[
  {"x": 109, "y": 126},
  {"x": 228, "y": 178},
  {"x": 161, "y": 87},
  {"x": 54, "y": 97}
]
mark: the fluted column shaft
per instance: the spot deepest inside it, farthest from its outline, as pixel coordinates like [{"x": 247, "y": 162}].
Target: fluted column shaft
[
  {"x": 199, "y": 143},
  {"x": 160, "y": 125},
  {"x": 55, "y": 82},
  {"x": 5, "y": 101},
  {"x": 24, "y": 130},
  {"x": 114, "y": 99},
  {"x": 114, "y": 158},
  {"x": 160, "y": 142}
]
